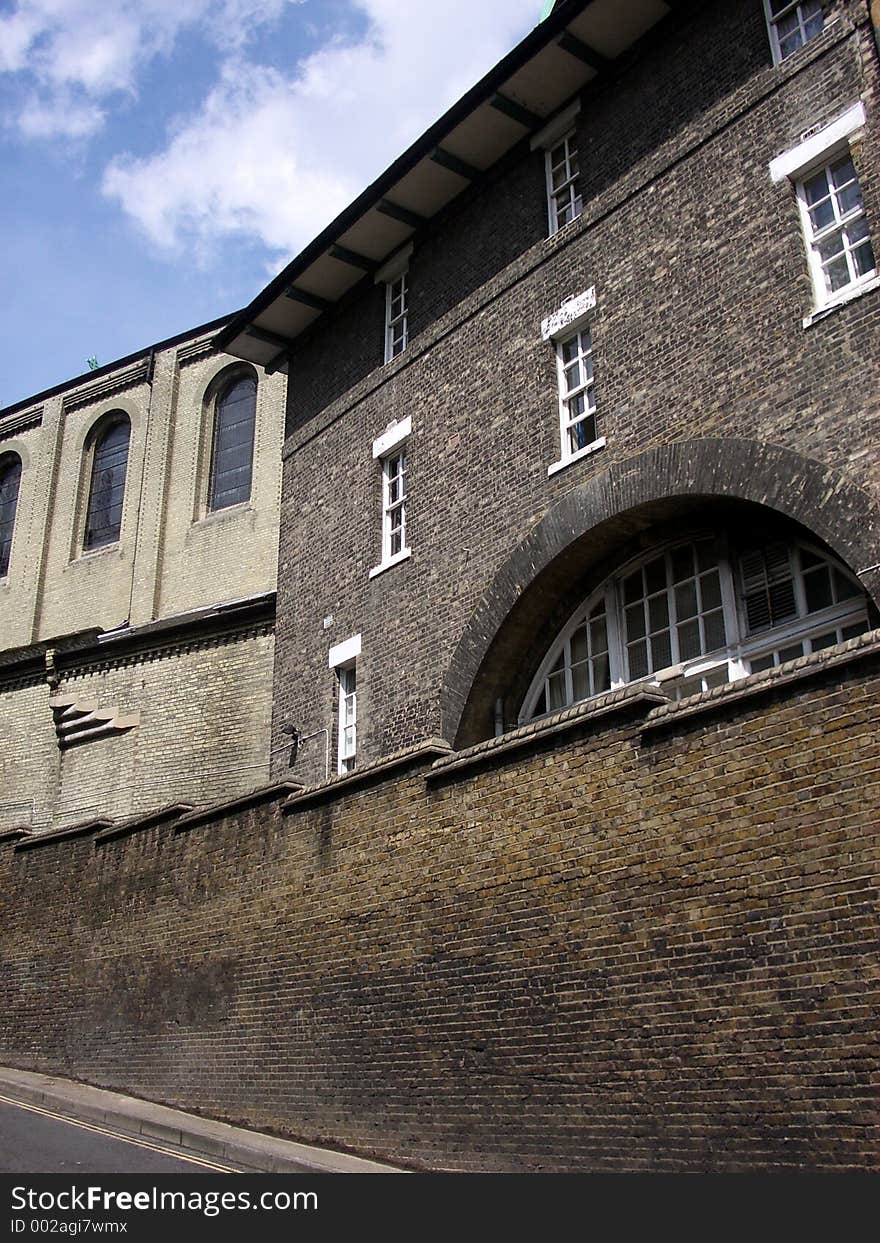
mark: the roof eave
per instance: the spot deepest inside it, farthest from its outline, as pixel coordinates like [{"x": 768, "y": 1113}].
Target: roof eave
[{"x": 534, "y": 41}]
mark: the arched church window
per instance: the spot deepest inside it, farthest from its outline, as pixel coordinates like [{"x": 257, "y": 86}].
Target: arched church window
[
  {"x": 10, "y": 479},
  {"x": 696, "y": 614},
  {"x": 107, "y": 490},
  {"x": 232, "y": 446}
]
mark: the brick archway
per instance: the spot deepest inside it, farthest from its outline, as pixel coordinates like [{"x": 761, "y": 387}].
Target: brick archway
[{"x": 630, "y": 497}]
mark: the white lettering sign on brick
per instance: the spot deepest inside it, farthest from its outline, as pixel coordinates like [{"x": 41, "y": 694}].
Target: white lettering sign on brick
[{"x": 572, "y": 310}]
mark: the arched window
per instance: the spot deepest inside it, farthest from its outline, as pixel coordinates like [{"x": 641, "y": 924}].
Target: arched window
[
  {"x": 10, "y": 478},
  {"x": 107, "y": 490},
  {"x": 697, "y": 614},
  {"x": 232, "y": 450}
]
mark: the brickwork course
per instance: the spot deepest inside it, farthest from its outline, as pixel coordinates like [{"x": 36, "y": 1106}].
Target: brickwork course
[{"x": 636, "y": 934}]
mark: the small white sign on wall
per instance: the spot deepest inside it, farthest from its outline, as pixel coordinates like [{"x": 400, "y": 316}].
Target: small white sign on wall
[{"x": 569, "y": 313}]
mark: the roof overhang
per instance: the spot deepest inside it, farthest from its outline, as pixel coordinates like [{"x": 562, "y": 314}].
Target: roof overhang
[{"x": 577, "y": 43}]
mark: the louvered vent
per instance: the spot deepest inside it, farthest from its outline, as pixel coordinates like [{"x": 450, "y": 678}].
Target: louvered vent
[{"x": 768, "y": 587}]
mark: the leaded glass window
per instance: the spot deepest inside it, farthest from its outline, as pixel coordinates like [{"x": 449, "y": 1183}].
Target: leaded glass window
[
  {"x": 107, "y": 488},
  {"x": 232, "y": 455},
  {"x": 10, "y": 480}
]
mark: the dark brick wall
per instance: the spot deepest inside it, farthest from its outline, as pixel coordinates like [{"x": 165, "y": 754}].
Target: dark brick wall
[
  {"x": 627, "y": 946},
  {"x": 702, "y": 286}
]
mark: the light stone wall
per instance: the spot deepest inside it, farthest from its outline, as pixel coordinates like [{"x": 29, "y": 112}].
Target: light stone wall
[
  {"x": 203, "y": 699},
  {"x": 205, "y": 710},
  {"x": 232, "y": 552},
  {"x": 30, "y": 760}
]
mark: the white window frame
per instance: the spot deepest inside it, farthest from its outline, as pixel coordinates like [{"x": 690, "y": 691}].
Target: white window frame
[
  {"x": 394, "y": 273},
  {"x": 824, "y": 297},
  {"x": 795, "y": 6},
  {"x": 728, "y": 664},
  {"x": 814, "y": 152},
  {"x": 389, "y": 450},
  {"x": 396, "y": 323},
  {"x": 346, "y": 750},
  {"x": 584, "y": 387},
  {"x": 559, "y": 131},
  {"x": 394, "y": 472},
  {"x": 342, "y": 659},
  {"x": 570, "y": 186},
  {"x": 572, "y": 321}
]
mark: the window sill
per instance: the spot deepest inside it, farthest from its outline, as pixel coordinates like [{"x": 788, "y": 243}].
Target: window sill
[
  {"x": 386, "y": 565},
  {"x": 218, "y": 515},
  {"x": 765, "y": 681},
  {"x": 848, "y": 295},
  {"x": 561, "y": 229},
  {"x": 89, "y": 554},
  {"x": 576, "y": 457}
]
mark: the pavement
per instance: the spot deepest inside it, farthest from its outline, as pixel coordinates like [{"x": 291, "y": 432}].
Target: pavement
[{"x": 177, "y": 1131}]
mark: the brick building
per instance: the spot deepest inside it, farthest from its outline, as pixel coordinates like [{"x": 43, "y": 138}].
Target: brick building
[
  {"x": 608, "y": 328},
  {"x": 578, "y": 660},
  {"x": 137, "y": 595}
]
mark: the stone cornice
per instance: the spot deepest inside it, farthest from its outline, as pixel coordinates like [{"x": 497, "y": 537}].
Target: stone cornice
[
  {"x": 17, "y": 423},
  {"x": 116, "y": 383}
]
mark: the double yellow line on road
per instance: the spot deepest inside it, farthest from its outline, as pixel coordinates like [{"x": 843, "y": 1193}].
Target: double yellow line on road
[{"x": 125, "y": 1139}]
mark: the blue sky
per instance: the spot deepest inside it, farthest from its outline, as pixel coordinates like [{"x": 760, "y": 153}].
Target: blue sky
[{"x": 163, "y": 158}]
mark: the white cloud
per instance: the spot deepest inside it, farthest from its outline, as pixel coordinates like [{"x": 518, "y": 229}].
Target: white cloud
[
  {"x": 58, "y": 118},
  {"x": 234, "y": 168},
  {"x": 277, "y": 157},
  {"x": 75, "y": 53}
]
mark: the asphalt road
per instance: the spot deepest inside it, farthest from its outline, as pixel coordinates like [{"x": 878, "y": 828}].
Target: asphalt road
[{"x": 33, "y": 1141}]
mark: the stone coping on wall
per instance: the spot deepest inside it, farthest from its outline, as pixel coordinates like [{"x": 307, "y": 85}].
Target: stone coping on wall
[
  {"x": 135, "y": 824},
  {"x": 638, "y": 697},
  {"x": 17, "y": 423},
  {"x": 216, "y": 811},
  {"x": 768, "y": 680},
  {"x": 248, "y": 610},
  {"x": 14, "y": 835},
  {"x": 33, "y": 656},
  {"x": 137, "y": 373},
  {"x": 195, "y": 351},
  {"x": 209, "y": 623},
  {"x": 64, "y": 835},
  {"x": 420, "y": 753}
]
